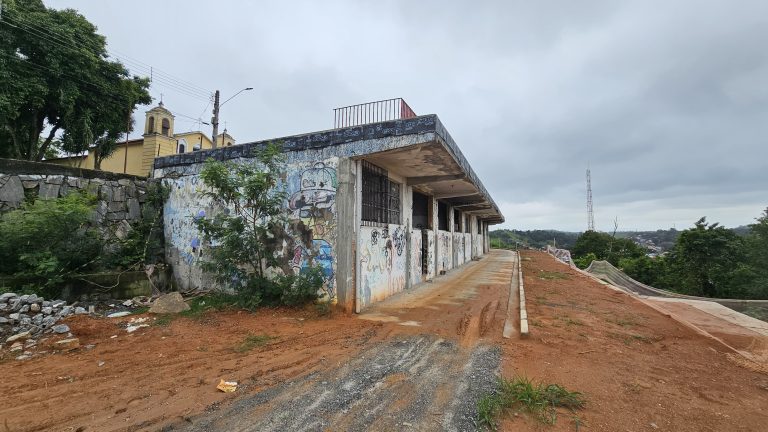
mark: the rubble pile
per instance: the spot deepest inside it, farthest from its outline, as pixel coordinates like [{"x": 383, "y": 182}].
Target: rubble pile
[
  {"x": 24, "y": 318},
  {"x": 32, "y": 316}
]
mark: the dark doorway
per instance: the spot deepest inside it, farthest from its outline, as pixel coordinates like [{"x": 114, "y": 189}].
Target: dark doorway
[
  {"x": 456, "y": 220},
  {"x": 442, "y": 216},
  {"x": 421, "y": 219}
]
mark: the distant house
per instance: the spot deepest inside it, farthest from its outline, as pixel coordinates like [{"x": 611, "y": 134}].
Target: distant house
[{"x": 159, "y": 139}]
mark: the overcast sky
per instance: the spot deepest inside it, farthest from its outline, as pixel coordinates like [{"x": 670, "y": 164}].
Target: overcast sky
[{"x": 666, "y": 101}]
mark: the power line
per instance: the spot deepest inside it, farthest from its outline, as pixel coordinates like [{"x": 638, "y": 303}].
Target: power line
[
  {"x": 49, "y": 34},
  {"x": 164, "y": 79},
  {"x": 96, "y": 86}
]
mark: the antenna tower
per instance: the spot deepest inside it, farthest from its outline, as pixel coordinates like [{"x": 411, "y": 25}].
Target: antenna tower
[{"x": 590, "y": 212}]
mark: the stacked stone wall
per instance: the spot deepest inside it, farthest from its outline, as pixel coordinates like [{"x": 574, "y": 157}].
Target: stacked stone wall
[{"x": 121, "y": 196}]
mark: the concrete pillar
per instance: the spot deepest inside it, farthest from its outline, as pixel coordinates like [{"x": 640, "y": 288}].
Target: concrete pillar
[
  {"x": 406, "y": 198},
  {"x": 346, "y": 239},
  {"x": 452, "y": 229},
  {"x": 435, "y": 227}
]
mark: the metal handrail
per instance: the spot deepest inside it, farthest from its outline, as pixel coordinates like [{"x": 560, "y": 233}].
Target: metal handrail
[{"x": 372, "y": 112}]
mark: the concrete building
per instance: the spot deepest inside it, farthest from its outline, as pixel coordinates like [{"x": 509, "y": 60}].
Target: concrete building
[
  {"x": 159, "y": 139},
  {"x": 390, "y": 204}
]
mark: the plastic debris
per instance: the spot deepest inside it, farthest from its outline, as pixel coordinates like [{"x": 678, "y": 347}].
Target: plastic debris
[{"x": 227, "y": 386}]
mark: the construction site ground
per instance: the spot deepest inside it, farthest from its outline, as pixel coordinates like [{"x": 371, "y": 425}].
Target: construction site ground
[{"x": 418, "y": 361}]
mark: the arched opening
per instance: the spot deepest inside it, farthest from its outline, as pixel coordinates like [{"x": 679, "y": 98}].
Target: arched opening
[
  {"x": 166, "y": 127},
  {"x": 151, "y": 125},
  {"x": 182, "y": 147}
]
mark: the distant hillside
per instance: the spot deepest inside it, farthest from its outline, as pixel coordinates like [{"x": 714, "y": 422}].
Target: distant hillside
[
  {"x": 505, "y": 238},
  {"x": 658, "y": 241}
]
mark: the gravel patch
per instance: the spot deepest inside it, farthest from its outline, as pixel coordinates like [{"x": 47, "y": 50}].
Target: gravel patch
[{"x": 416, "y": 383}]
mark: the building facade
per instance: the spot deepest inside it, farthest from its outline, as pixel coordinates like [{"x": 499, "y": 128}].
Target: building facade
[
  {"x": 387, "y": 206},
  {"x": 159, "y": 139}
]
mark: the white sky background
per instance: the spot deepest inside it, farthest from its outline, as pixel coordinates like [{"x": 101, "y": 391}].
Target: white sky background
[{"x": 666, "y": 101}]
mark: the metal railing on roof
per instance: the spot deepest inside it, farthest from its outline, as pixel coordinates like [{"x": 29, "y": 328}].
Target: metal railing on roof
[{"x": 372, "y": 112}]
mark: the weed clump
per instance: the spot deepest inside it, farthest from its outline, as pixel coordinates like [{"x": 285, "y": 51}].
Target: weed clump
[
  {"x": 520, "y": 393},
  {"x": 252, "y": 341}
]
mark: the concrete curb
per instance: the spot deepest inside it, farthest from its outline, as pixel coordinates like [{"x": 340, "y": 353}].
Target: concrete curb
[
  {"x": 509, "y": 327},
  {"x": 523, "y": 311}
]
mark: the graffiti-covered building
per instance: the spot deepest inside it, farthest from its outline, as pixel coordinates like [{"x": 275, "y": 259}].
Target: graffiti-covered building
[{"x": 387, "y": 197}]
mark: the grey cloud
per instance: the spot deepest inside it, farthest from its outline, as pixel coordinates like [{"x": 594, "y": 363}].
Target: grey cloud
[{"x": 667, "y": 101}]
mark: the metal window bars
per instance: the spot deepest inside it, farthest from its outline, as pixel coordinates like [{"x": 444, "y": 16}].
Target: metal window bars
[
  {"x": 372, "y": 112},
  {"x": 380, "y": 197}
]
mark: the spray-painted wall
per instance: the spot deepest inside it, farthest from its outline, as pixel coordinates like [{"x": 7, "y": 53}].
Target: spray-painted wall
[
  {"x": 416, "y": 247},
  {"x": 382, "y": 252},
  {"x": 430, "y": 255},
  {"x": 467, "y": 247},
  {"x": 444, "y": 258},
  {"x": 310, "y": 207}
]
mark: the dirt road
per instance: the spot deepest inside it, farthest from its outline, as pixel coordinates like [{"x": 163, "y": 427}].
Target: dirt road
[
  {"x": 418, "y": 361},
  {"x": 435, "y": 361}
]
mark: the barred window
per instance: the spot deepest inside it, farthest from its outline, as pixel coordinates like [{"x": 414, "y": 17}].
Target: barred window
[{"x": 381, "y": 196}]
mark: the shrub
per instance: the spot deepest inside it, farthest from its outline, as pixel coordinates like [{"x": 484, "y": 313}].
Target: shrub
[
  {"x": 44, "y": 241},
  {"x": 242, "y": 232}
]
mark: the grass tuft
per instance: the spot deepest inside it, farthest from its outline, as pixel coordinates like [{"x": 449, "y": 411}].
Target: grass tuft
[
  {"x": 538, "y": 399},
  {"x": 548, "y": 275},
  {"x": 252, "y": 341}
]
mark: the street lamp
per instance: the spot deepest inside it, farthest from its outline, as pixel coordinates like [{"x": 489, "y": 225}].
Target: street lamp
[{"x": 216, "y": 106}]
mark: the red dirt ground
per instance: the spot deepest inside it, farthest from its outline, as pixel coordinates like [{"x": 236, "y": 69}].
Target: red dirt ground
[{"x": 639, "y": 369}]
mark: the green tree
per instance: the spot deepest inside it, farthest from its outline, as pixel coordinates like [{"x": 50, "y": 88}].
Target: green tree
[
  {"x": 709, "y": 260},
  {"x": 757, "y": 252},
  {"x": 247, "y": 229},
  {"x": 605, "y": 247},
  {"x": 56, "y": 77}
]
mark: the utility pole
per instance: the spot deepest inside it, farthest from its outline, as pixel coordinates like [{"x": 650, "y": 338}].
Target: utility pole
[{"x": 215, "y": 118}]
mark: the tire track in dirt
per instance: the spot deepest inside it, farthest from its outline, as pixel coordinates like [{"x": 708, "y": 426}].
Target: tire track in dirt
[{"x": 426, "y": 382}]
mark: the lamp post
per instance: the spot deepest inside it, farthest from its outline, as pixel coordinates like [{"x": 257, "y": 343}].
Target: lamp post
[{"x": 216, "y": 106}]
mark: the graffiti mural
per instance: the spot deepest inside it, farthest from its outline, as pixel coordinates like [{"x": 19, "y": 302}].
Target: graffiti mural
[
  {"x": 444, "y": 258},
  {"x": 309, "y": 237},
  {"x": 184, "y": 205},
  {"x": 416, "y": 251},
  {"x": 311, "y": 205},
  {"x": 382, "y": 263},
  {"x": 430, "y": 255}
]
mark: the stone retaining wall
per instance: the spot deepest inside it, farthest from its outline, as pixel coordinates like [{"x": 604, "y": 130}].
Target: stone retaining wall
[{"x": 121, "y": 196}]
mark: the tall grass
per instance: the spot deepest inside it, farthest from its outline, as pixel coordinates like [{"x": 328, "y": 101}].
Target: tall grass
[{"x": 520, "y": 393}]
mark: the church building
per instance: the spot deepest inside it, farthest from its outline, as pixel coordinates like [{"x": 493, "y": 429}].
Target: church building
[{"x": 159, "y": 139}]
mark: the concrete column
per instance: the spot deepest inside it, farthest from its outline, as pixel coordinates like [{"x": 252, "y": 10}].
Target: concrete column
[
  {"x": 451, "y": 229},
  {"x": 357, "y": 168},
  {"x": 346, "y": 239},
  {"x": 407, "y": 215},
  {"x": 435, "y": 226}
]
